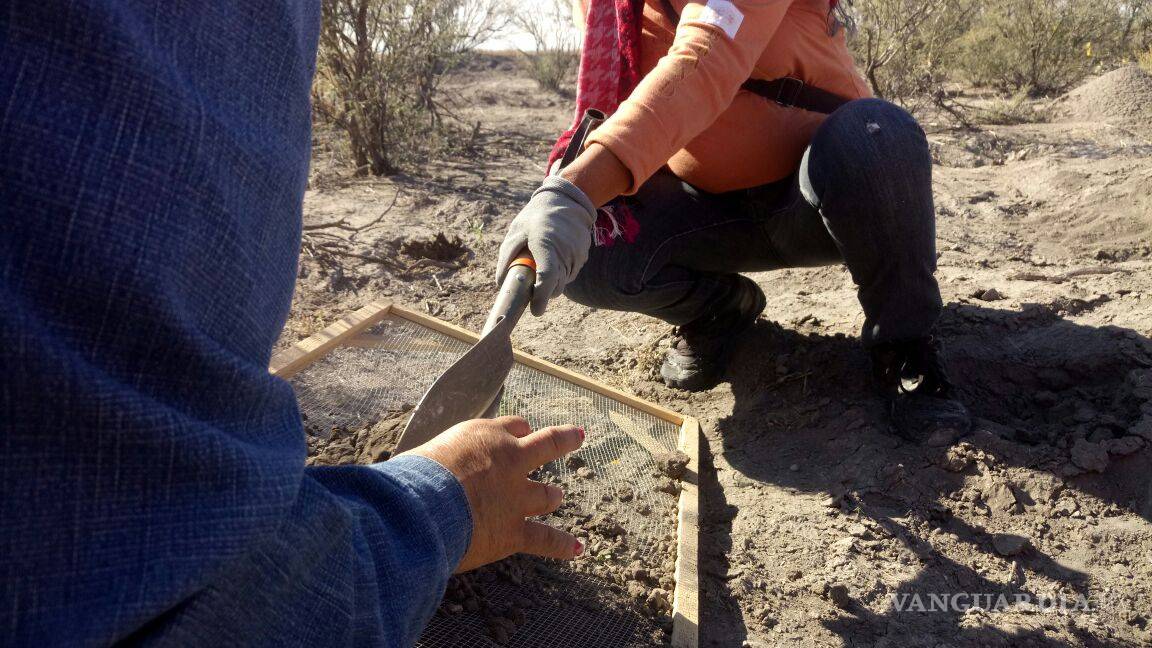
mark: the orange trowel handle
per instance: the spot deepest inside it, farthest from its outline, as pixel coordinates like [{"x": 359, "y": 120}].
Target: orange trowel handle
[
  {"x": 515, "y": 293},
  {"x": 524, "y": 259}
]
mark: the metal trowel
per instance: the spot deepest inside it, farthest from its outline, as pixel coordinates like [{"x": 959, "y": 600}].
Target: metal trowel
[{"x": 473, "y": 386}]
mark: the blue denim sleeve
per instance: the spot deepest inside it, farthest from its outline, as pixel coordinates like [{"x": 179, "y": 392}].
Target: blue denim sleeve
[{"x": 153, "y": 161}]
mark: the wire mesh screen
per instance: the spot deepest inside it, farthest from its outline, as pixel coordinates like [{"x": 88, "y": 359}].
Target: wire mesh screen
[{"x": 356, "y": 399}]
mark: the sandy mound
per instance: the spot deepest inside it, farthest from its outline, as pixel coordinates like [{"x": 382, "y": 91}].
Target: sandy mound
[{"x": 1119, "y": 96}]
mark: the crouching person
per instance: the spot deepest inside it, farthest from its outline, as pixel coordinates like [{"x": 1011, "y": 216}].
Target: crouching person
[{"x": 742, "y": 139}]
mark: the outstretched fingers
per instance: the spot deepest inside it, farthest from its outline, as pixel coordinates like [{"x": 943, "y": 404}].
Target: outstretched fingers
[
  {"x": 543, "y": 540},
  {"x": 549, "y": 444},
  {"x": 514, "y": 425},
  {"x": 542, "y": 499}
]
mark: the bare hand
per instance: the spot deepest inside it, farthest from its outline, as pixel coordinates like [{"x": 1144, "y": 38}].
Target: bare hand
[{"x": 492, "y": 459}]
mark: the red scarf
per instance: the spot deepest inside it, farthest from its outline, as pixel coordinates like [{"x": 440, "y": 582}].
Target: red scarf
[{"x": 609, "y": 65}]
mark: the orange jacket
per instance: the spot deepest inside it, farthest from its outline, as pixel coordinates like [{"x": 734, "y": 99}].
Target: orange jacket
[{"x": 689, "y": 111}]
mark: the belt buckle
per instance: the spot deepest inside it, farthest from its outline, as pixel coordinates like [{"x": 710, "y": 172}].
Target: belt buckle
[{"x": 789, "y": 83}]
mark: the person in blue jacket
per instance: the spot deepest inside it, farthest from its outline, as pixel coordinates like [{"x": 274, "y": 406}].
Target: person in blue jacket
[{"x": 153, "y": 161}]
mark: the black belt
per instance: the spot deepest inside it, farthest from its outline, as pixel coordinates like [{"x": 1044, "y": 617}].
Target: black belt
[{"x": 791, "y": 92}]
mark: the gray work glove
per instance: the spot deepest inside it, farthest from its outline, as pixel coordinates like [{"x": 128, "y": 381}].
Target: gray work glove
[{"x": 556, "y": 227}]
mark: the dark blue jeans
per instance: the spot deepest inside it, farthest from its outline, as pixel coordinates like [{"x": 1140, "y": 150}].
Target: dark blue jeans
[{"x": 862, "y": 196}]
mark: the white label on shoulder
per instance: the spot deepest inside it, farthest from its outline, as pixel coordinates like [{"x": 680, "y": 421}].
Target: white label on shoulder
[{"x": 722, "y": 14}]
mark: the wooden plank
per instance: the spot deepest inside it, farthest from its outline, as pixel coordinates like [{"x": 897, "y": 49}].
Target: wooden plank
[
  {"x": 641, "y": 436},
  {"x": 291, "y": 361},
  {"x": 686, "y": 598},
  {"x": 532, "y": 361}
]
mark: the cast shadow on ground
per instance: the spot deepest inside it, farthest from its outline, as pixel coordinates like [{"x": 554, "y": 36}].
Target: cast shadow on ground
[
  {"x": 1034, "y": 381},
  {"x": 481, "y": 172}
]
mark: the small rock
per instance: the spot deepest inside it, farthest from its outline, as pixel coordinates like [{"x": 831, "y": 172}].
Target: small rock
[
  {"x": 1008, "y": 544},
  {"x": 859, "y": 531},
  {"x": 891, "y": 474},
  {"x": 637, "y": 591},
  {"x": 575, "y": 462},
  {"x": 605, "y": 526},
  {"x": 990, "y": 295},
  {"x": 955, "y": 460},
  {"x": 1040, "y": 487},
  {"x": 794, "y": 467},
  {"x": 939, "y": 513},
  {"x": 1066, "y": 507},
  {"x": 844, "y": 546},
  {"x": 585, "y": 472},
  {"x": 657, "y": 601},
  {"x": 1089, "y": 456},
  {"x": 1000, "y": 497},
  {"x": 1140, "y": 382},
  {"x": 666, "y": 485},
  {"x": 1071, "y": 470},
  {"x": 838, "y": 594},
  {"x": 624, "y": 493},
  {"x": 942, "y": 436},
  {"x": 1124, "y": 446},
  {"x": 672, "y": 464}
]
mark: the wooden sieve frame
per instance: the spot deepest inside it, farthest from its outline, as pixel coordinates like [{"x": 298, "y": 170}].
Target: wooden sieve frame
[{"x": 685, "y": 599}]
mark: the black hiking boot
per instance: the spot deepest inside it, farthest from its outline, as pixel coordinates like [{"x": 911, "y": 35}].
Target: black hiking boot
[
  {"x": 700, "y": 349},
  {"x": 922, "y": 405}
]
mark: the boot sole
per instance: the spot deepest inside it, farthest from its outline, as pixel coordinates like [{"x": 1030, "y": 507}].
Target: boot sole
[{"x": 703, "y": 380}]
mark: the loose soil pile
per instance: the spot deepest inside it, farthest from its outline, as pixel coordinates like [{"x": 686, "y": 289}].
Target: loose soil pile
[{"x": 1123, "y": 95}]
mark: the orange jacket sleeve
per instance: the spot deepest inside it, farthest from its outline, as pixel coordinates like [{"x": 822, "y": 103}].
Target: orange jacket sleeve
[{"x": 716, "y": 47}]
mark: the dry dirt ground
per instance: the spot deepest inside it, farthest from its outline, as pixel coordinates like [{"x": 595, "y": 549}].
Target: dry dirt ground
[{"x": 820, "y": 528}]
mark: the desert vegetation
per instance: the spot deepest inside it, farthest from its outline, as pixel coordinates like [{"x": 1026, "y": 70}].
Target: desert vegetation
[
  {"x": 382, "y": 63},
  {"x": 379, "y": 71},
  {"x": 555, "y": 47},
  {"x": 915, "y": 52}
]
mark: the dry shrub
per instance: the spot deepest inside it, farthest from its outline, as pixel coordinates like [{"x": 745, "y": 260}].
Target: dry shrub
[
  {"x": 379, "y": 69},
  {"x": 556, "y": 51},
  {"x": 905, "y": 47},
  {"x": 1046, "y": 46},
  {"x": 1017, "y": 109}
]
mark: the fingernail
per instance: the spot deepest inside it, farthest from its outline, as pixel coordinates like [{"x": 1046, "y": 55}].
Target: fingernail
[
  {"x": 581, "y": 429},
  {"x": 578, "y": 548}
]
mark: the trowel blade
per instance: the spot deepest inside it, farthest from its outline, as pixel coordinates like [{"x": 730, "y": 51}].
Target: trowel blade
[{"x": 465, "y": 391}]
